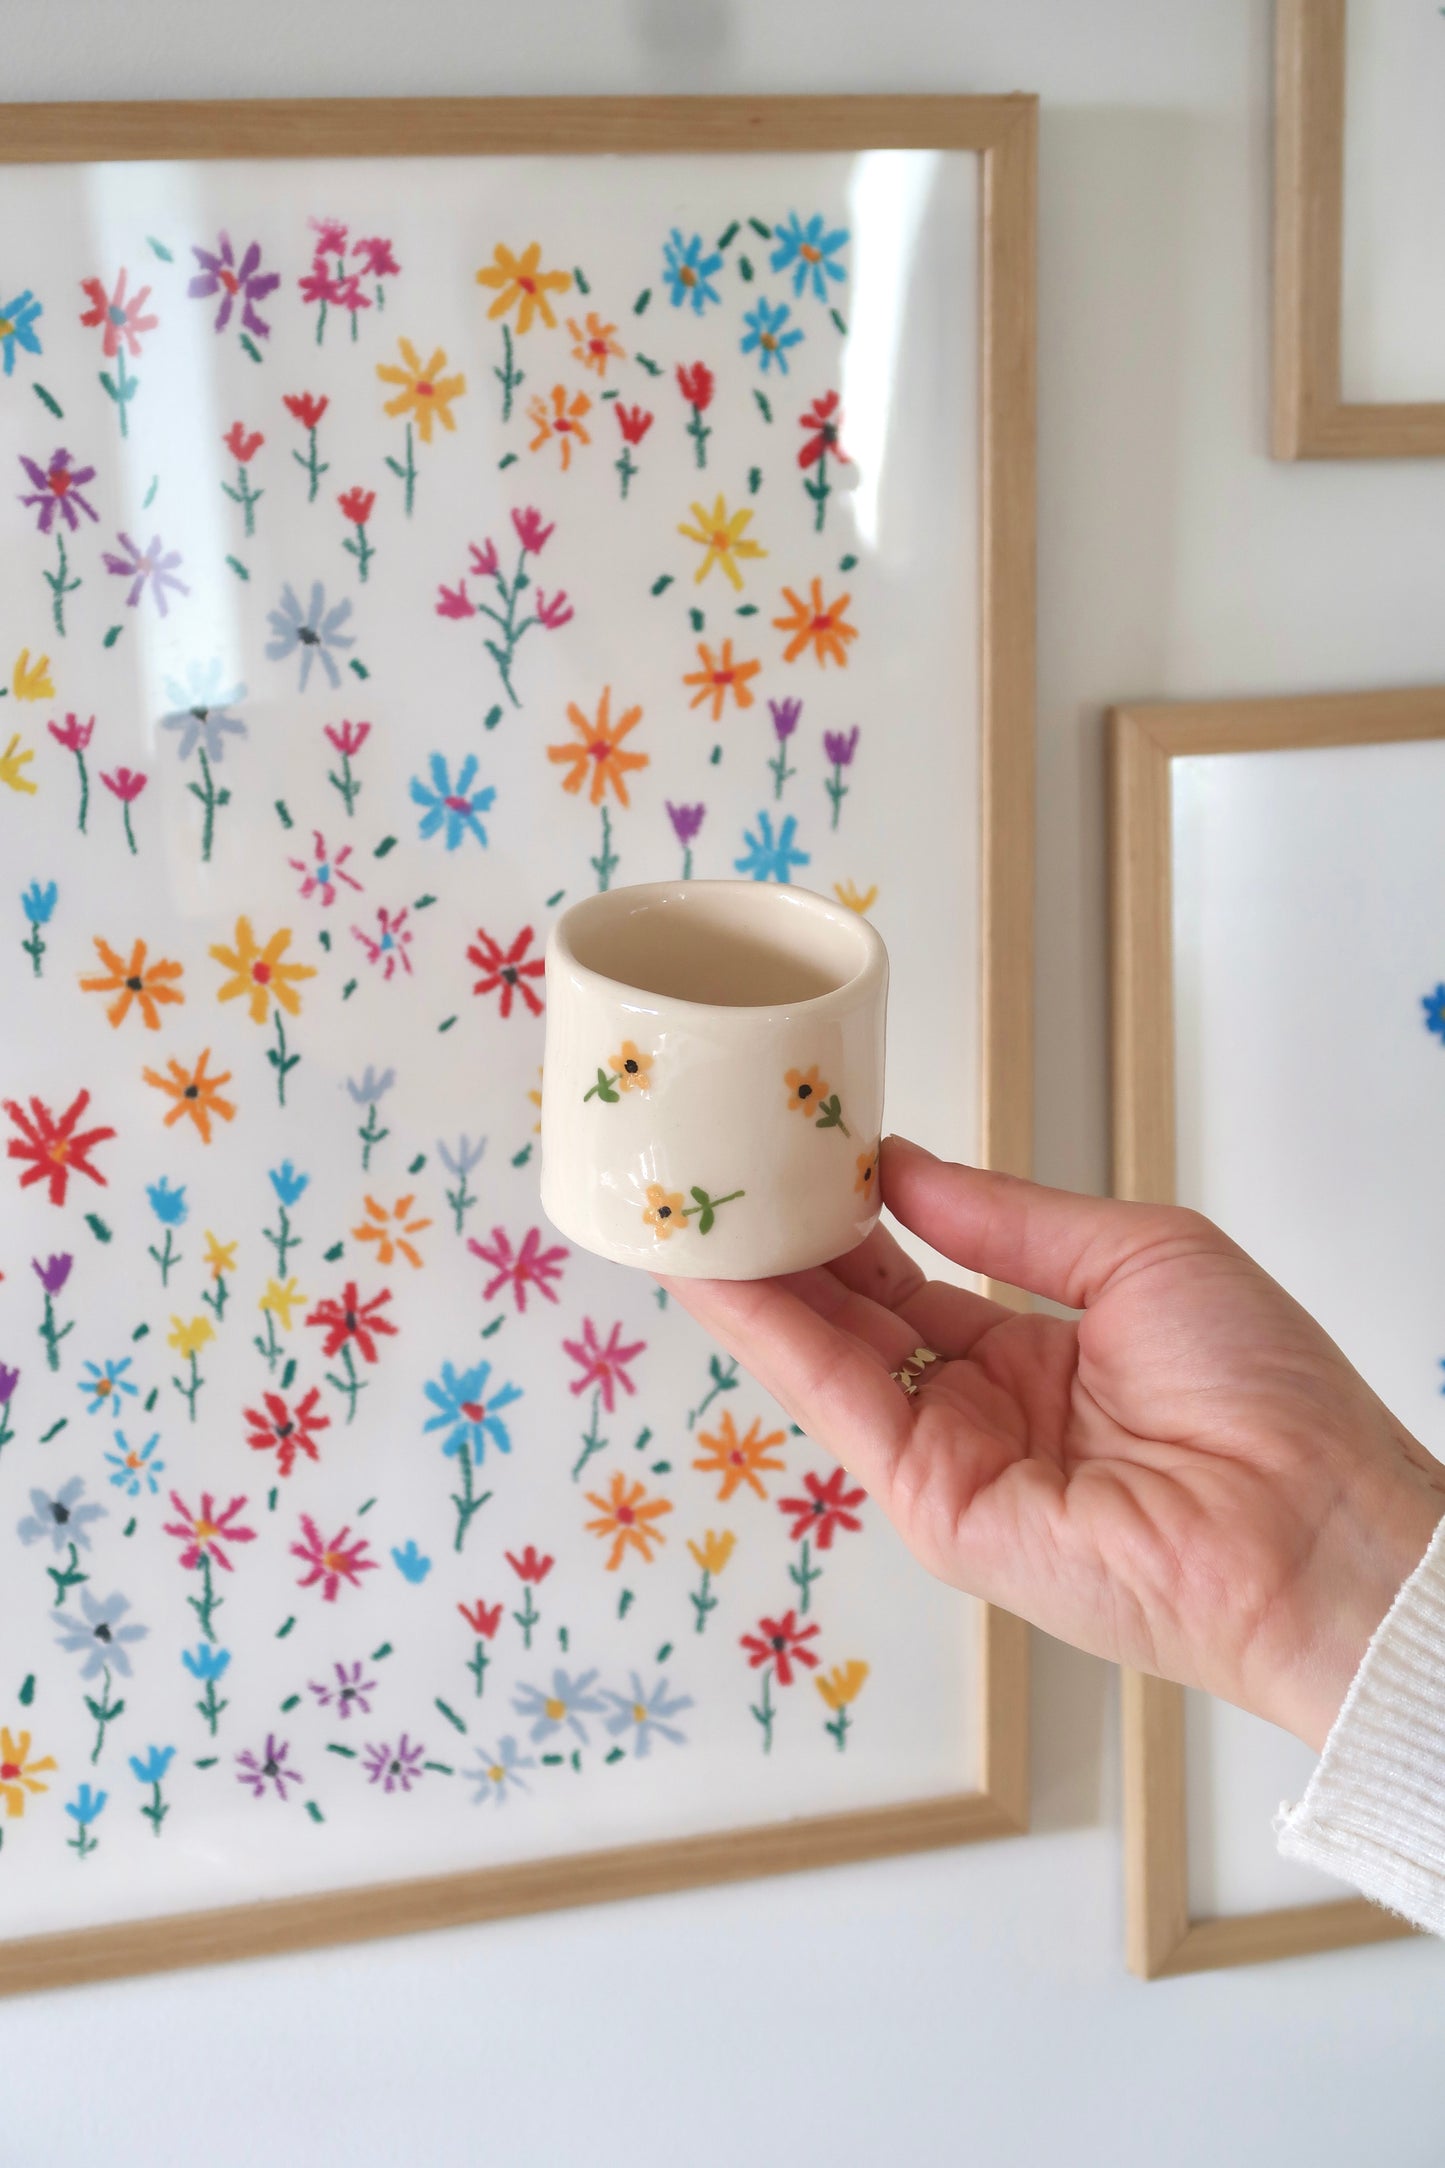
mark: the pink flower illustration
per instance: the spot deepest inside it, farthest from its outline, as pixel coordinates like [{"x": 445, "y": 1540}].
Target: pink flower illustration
[
  {"x": 323, "y": 869},
  {"x": 388, "y": 946},
  {"x": 604, "y": 1364},
  {"x": 331, "y": 1562},
  {"x": 529, "y": 1266}
]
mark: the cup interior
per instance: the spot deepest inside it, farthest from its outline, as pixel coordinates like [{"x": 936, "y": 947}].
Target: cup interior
[{"x": 729, "y": 944}]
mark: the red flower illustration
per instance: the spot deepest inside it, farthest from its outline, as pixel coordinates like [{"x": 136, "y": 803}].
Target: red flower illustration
[
  {"x": 554, "y": 613},
  {"x": 286, "y": 1431},
  {"x": 825, "y": 418},
  {"x": 306, "y": 407},
  {"x": 241, "y": 444},
  {"x": 204, "y": 1532},
  {"x": 122, "y": 319},
  {"x": 484, "y": 560},
  {"x": 348, "y": 738},
  {"x": 826, "y": 1507},
  {"x": 331, "y": 1563},
  {"x": 780, "y": 1641},
  {"x": 377, "y": 260},
  {"x": 603, "y": 1363},
  {"x": 56, "y": 1148},
  {"x": 529, "y": 1567},
  {"x": 127, "y": 784},
  {"x": 319, "y": 284},
  {"x": 357, "y": 504},
  {"x": 696, "y": 385},
  {"x": 531, "y": 531},
  {"x": 73, "y": 734},
  {"x": 530, "y": 1266},
  {"x": 504, "y": 968},
  {"x": 454, "y": 601},
  {"x": 480, "y": 1619},
  {"x": 634, "y": 422},
  {"x": 352, "y": 1319}
]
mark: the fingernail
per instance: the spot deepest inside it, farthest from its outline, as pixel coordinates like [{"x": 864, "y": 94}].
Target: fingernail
[{"x": 906, "y": 1144}]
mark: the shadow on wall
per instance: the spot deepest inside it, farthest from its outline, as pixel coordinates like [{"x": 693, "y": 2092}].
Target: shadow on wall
[{"x": 693, "y": 35}]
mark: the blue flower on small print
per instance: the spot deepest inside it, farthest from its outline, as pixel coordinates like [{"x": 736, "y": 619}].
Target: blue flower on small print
[
  {"x": 369, "y": 1089},
  {"x": 135, "y": 1468},
  {"x": 1434, "y": 1007},
  {"x": 289, "y": 1186},
  {"x": 568, "y": 1701},
  {"x": 99, "y": 1637},
  {"x": 106, "y": 1382},
  {"x": 644, "y": 1713},
  {"x": 152, "y": 1769},
  {"x": 206, "y": 1663},
  {"x": 410, "y": 1563},
  {"x": 453, "y": 805},
  {"x": 168, "y": 1205},
  {"x": 17, "y": 327},
  {"x": 87, "y": 1805},
  {"x": 61, "y": 1515},
  {"x": 769, "y": 857},
  {"x": 767, "y": 337},
  {"x": 808, "y": 252},
  {"x": 199, "y": 710},
  {"x": 460, "y": 1159},
  {"x": 689, "y": 273},
  {"x": 309, "y": 633},
  {"x": 495, "y": 1775},
  {"x": 468, "y": 1412},
  {"x": 39, "y": 903}
]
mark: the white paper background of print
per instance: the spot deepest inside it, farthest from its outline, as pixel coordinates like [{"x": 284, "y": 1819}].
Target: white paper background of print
[
  {"x": 1392, "y": 342},
  {"x": 1309, "y": 920},
  {"x": 908, "y": 376}
]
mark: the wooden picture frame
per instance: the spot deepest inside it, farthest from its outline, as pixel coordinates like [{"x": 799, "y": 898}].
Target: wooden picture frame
[
  {"x": 1001, "y": 131},
  {"x": 1162, "y": 1938},
  {"x": 1311, "y": 419}
]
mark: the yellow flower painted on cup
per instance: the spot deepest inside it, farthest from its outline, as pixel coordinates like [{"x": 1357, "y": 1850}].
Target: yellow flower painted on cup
[
  {"x": 426, "y": 395},
  {"x": 854, "y": 898},
  {"x": 13, "y": 763},
  {"x": 20, "y": 1771},
  {"x": 563, "y": 423},
  {"x": 520, "y": 282},
  {"x": 843, "y": 1684},
  {"x": 280, "y": 1299},
  {"x": 663, "y": 1213},
  {"x": 632, "y": 1067},
  {"x": 189, "y": 1336},
  {"x": 258, "y": 972},
  {"x": 391, "y": 1231},
  {"x": 867, "y": 1177},
  {"x": 32, "y": 681},
  {"x": 716, "y": 1548},
  {"x": 721, "y": 537},
  {"x": 595, "y": 343}
]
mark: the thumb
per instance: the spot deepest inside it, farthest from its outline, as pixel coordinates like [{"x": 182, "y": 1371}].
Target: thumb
[{"x": 1050, "y": 1242}]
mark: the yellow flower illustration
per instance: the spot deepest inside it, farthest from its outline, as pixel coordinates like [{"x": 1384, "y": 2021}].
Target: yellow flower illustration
[
  {"x": 849, "y": 894},
  {"x": 806, "y": 1087},
  {"x": 425, "y": 394},
  {"x": 627, "y": 1515},
  {"x": 713, "y": 1553},
  {"x": 281, "y": 1298},
  {"x": 189, "y": 1339},
  {"x": 844, "y": 1683},
  {"x": 721, "y": 537},
  {"x": 32, "y": 682},
  {"x": 220, "y": 1256},
  {"x": 19, "y": 1773},
  {"x": 740, "y": 1460},
  {"x": 595, "y": 343},
  {"x": 390, "y": 1230},
  {"x": 564, "y": 422},
  {"x": 259, "y": 974},
  {"x": 814, "y": 624},
  {"x": 867, "y": 1171},
  {"x": 631, "y": 1065},
  {"x": 521, "y": 280},
  {"x": 664, "y": 1211},
  {"x": 13, "y": 761},
  {"x": 600, "y": 743}
]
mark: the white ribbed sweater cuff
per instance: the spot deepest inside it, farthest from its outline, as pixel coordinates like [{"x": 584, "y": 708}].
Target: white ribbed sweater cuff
[{"x": 1374, "y": 1810}]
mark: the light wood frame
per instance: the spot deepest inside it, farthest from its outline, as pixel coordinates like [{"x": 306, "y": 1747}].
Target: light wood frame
[
  {"x": 1003, "y": 133},
  {"x": 1162, "y": 1938},
  {"x": 1310, "y": 419}
]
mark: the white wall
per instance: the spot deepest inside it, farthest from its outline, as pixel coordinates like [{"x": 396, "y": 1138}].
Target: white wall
[{"x": 971, "y": 2007}]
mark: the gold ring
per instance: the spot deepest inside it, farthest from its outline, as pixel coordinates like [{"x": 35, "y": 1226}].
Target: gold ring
[{"x": 913, "y": 1367}]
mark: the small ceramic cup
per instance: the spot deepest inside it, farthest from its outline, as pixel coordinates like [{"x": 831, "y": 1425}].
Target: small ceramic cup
[{"x": 712, "y": 1091}]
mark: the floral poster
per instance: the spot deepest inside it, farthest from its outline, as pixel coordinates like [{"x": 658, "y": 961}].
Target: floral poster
[{"x": 393, "y": 553}]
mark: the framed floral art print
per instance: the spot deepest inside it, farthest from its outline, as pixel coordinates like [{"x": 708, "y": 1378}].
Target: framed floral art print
[{"x": 420, "y": 515}]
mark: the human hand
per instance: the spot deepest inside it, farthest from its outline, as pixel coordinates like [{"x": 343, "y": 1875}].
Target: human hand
[{"x": 1189, "y": 1478}]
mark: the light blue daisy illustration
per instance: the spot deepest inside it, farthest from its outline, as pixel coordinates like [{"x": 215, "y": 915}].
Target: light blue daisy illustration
[
  {"x": 569, "y": 1700},
  {"x": 769, "y": 857},
  {"x": 689, "y": 272},
  {"x": 467, "y": 1411},
  {"x": 495, "y": 1774},
  {"x": 453, "y": 806},
  {"x": 106, "y": 1383},
  {"x": 769, "y": 335},
  {"x": 809, "y": 253},
  {"x": 135, "y": 1468},
  {"x": 310, "y": 633},
  {"x": 643, "y": 1713}
]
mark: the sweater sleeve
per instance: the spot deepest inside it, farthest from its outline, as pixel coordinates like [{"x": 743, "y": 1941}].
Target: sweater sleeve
[{"x": 1373, "y": 1812}]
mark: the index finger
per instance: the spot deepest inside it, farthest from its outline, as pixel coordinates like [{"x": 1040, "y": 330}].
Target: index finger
[{"x": 840, "y": 1394}]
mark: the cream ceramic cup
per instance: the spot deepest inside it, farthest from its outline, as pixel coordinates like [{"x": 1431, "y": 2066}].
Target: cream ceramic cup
[{"x": 712, "y": 1091}]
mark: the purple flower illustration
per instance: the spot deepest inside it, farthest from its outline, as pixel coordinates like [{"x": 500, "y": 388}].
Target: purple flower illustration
[
  {"x": 152, "y": 564},
  {"x": 840, "y": 748},
  {"x": 785, "y": 714},
  {"x": 244, "y": 281},
  {"x": 346, "y": 1692},
  {"x": 9, "y": 1379},
  {"x": 686, "y": 821},
  {"x": 267, "y": 1767},
  {"x": 58, "y": 487},
  {"x": 54, "y": 1273},
  {"x": 395, "y": 1768}
]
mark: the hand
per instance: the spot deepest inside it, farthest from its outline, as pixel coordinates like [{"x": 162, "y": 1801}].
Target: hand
[{"x": 1189, "y": 1478}]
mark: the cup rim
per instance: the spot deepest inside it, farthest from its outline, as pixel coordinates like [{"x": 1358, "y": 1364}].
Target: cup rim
[{"x": 872, "y": 964}]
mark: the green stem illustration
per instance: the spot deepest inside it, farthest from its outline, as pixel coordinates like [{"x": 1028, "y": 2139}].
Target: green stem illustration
[
  {"x": 282, "y": 1062},
  {"x": 699, "y": 431},
  {"x": 781, "y": 771},
  {"x": 348, "y": 786},
  {"x": 460, "y": 1199},
  {"x": 313, "y": 465},
  {"x": 282, "y": 1241},
  {"x": 837, "y": 1727},
  {"x": 167, "y": 1257},
  {"x": 724, "y": 1380},
  {"x": 360, "y": 548},
  {"x": 270, "y": 1347},
  {"x": 607, "y": 861},
  {"x": 703, "y": 1600},
  {"x": 60, "y": 587},
  {"x": 803, "y": 1575},
  {"x": 129, "y": 831},
  {"x": 528, "y": 1617},
  {"x": 350, "y": 1385},
  {"x": 371, "y": 1136},
  {"x": 764, "y": 1711},
  {"x": 52, "y": 1334},
  {"x": 210, "y": 798},
  {"x": 705, "y": 1207},
  {"x": 465, "y": 1502},
  {"x": 837, "y": 790},
  {"x": 105, "y": 1711},
  {"x": 477, "y": 1665},
  {"x": 592, "y": 1440},
  {"x": 626, "y": 467},
  {"x": 249, "y": 498},
  {"x": 406, "y": 474},
  {"x": 34, "y": 947},
  {"x": 215, "y": 1296},
  {"x": 67, "y": 1577},
  {"x": 208, "y": 1603},
  {"x": 120, "y": 387},
  {"x": 189, "y": 1388},
  {"x": 509, "y": 376},
  {"x": 210, "y": 1706},
  {"x": 156, "y": 1812}
]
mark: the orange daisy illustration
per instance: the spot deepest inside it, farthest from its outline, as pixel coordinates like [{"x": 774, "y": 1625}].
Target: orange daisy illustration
[
  {"x": 20, "y": 1772},
  {"x": 258, "y": 972},
  {"x": 520, "y": 282},
  {"x": 595, "y": 343},
  {"x": 720, "y": 676},
  {"x": 600, "y": 745},
  {"x": 664, "y": 1213},
  {"x": 426, "y": 395},
  {"x": 134, "y": 982},
  {"x": 194, "y": 1093},
  {"x": 563, "y": 423},
  {"x": 391, "y": 1230},
  {"x": 822, "y": 626},
  {"x": 739, "y": 1460},
  {"x": 627, "y": 1515}
]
